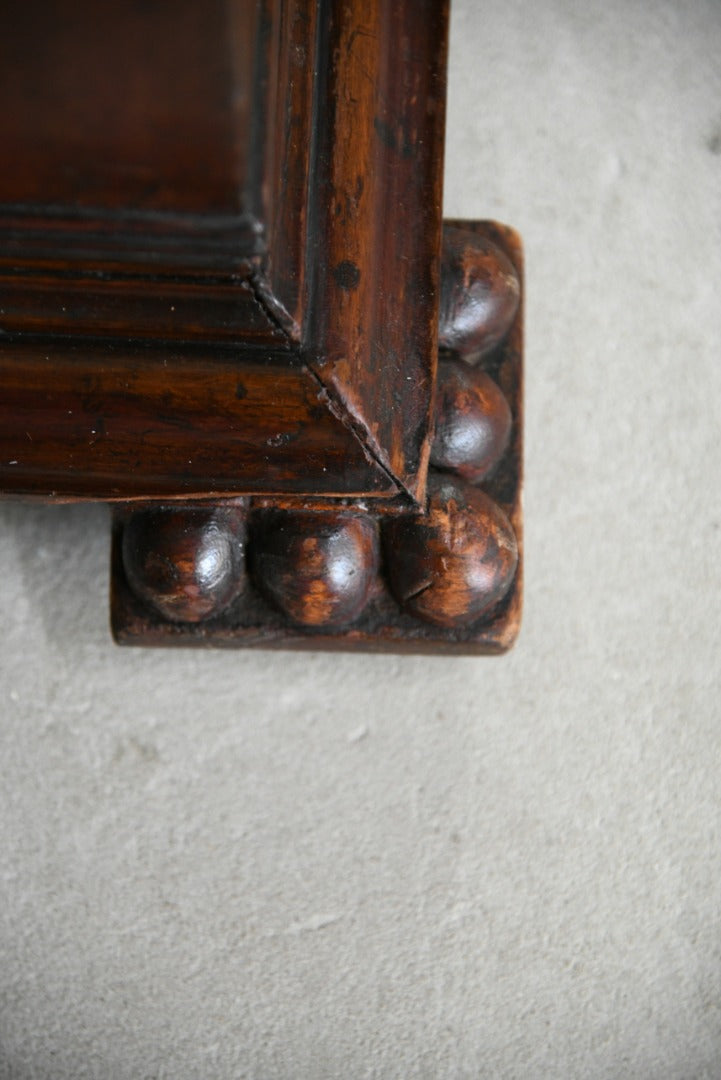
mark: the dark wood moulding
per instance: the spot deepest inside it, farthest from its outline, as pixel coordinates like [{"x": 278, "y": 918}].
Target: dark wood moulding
[
  {"x": 225, "y": 286},
  {"x": 396, "y": 596},
  {"x": 261, "y": 182}
]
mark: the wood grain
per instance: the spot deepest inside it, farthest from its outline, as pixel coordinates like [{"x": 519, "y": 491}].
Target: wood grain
[
  {"x": 124, "y": 104},
  {"x": 260, "y": 183},
  {"x": 456, "y": 560},
  {"x": 318, "y": 568},
  {"x": 141, "y": 421},
  {"x": 473, "y": 421},
  {"x": 186, "y": 563},
  {"x": 383, "y": 624},
  {"x": 375, "y": 219}
]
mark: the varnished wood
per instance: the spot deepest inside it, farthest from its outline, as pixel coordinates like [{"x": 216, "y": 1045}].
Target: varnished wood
[
  {"x": 145, "y": 421},
  {"x": 286, "y": 60},
  {"x": 223, "y": 290},
  {"x": 455, "y": 561},
  {"x": 377, "y": 207},
  {"x": 317, "y": 567},
  {"x": 479, "y": 295},
  {"x": 473, "y": 421},
  {"x": 448, "y": 578},
  {"x": 122, "y": 104},
  {"x": 308, "y": 123},
  {"x": 165, "y": 308},
  {"x": 187, "y": 564}
]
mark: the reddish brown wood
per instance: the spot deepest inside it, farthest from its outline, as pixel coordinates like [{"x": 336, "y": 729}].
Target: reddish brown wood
[
  {"x": 145, "y": 421},
  {"x": 121, "y": 104},
  {"x": 163, "y": 308},
  {"x": 455, "y": 561},
  {"x": 286, "y": 64},
  {"x": 474, "y": 610},
  {"x": 473, "y": 421},
  {"x": 375, "y": 223},
  {"x": 319, "y": 568},
  {"x": 220, "y": 179},
  {"x": 479, "y": 295},
  {"x": 220, "y": 250},
  {"x": 188, "y": 563}
]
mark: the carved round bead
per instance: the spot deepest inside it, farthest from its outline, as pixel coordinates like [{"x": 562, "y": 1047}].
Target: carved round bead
[
  {"x": 479, "y": 293},
  {"x": 186, "y": 563},
  {"x": 319, "y": 568},
  {"x": 454, "y": 563},
  {"x": 473, "y": 421}
]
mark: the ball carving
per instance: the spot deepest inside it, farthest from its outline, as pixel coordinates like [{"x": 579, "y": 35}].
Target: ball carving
[
  {"x": 318, "y": 568},
  {"x": 454, "y": 563},
  {"x": 473, "y": 421},
  {"x": 480, "y": 292},
  {"x": 187, "y": 564}
]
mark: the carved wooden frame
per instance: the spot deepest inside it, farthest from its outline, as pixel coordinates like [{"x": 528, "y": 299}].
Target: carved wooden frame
[{"x": 281, "y": 357}]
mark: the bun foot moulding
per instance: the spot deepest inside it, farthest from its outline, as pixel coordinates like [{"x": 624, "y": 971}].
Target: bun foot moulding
[{"x": 229, "y": 307}]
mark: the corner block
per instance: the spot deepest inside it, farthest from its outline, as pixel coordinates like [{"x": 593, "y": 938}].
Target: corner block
[{"x": 444, "y": 577}]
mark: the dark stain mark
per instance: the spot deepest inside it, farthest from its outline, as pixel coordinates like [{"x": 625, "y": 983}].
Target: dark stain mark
[
  {"x": 713, "y": 143},
  {"x": 182, "y": 423},
  {"x": 240, "y": 391},
  {"x": 281, "y": 439},
  {"x": 399, "y": 140},
  {"x": 385, "y": 133},
  {"x": 347, "y": 275}
]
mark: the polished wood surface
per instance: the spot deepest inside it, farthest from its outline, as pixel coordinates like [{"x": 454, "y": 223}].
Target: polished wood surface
[
  {"x": 374, "y": 295},
  {"x": 454, "y": 561},
  {"x": 142, "y": 421},
  {"x": 229, "y": 305},
  {"x": 220, "y": 178},
  {"x": 446, "y": 577},
  {"x": 479, "y": 294},
  {"x": 473, "y": 421},
  {"x": 125, "y": 104},
  {"x": 320, "y": 569},
  {"x": 187, "y": 564}
]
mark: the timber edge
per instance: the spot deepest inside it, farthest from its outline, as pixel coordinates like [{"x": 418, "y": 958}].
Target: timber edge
[{"x": 259, "y": 573}]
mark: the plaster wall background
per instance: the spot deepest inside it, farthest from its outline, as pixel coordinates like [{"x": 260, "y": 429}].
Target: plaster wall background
[{"x": 289, "y": 866}]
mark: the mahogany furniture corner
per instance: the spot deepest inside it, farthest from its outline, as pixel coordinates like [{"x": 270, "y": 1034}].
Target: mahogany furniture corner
[{"x": 230, "y": 307}]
